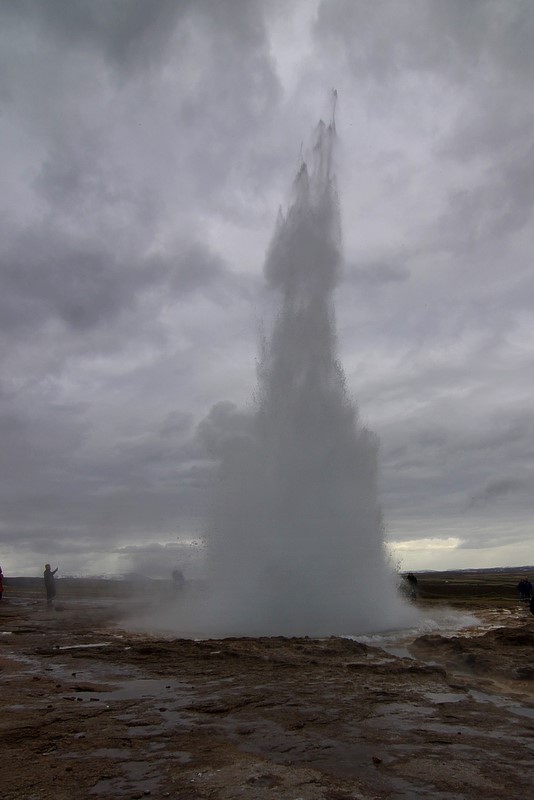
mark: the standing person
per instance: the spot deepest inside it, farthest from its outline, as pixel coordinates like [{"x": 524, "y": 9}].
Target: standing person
[
  {"x": 412, "y": 580},
  {"x": 50, "y": 584},
  {"x": 522, "y": 589},
  {"x": 1, "y": 583},
  {"x": 178, "y": 581}
]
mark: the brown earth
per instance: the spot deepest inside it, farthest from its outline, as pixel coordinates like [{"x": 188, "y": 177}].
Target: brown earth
[{"x": 90, "y": 710}]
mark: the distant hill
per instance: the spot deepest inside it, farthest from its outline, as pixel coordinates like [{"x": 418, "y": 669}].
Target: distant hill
[{"x": 483, "y": 571}]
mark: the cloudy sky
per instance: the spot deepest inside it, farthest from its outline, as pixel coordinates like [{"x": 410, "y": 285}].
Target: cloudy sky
[{"x": 145, "y": 149}]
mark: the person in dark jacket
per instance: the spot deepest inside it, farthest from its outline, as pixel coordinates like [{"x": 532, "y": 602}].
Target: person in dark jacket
[
  {"x": 412, "y": 583},
  {"x": 50, "y": 584},
  {"x": 524, "y": 588}
]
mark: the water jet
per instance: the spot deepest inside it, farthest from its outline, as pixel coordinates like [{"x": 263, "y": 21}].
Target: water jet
[{"x": 296, "y": 537}]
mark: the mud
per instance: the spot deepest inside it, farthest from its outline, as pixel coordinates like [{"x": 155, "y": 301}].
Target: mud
[{"x": 91, "y": 710}]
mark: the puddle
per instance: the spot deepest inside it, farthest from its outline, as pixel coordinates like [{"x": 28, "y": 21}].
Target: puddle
[
  {"x": 411, "y": 711},
  {"x": 503, "y": 702},
  {"x": 63, "y": 673},
  {"x": 117, "y": 753},
  {"x": 160, "y": 689},
  {"x": 81, "y": 646},
  {"x": 444, "y": 697},
  {"x": 398, "y": 651},
  {"x": 138, "y": 779}
]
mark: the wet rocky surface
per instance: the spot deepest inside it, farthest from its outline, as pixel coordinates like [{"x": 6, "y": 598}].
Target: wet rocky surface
[{"x": 90, "y": 710}]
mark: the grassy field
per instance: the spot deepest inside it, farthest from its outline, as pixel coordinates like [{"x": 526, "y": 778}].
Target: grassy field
[
  {"x": 472, "y": 587},
  {"x": 72, "y": 588}
]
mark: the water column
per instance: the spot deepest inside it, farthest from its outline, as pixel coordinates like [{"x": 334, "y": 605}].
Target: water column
[{"x": 296, "y": 540}]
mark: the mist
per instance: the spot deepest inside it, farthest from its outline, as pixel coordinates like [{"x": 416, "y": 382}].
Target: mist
[{"x": 295, "y": 536}]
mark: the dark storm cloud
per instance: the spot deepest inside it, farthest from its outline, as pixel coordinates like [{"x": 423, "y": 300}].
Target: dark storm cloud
[
  {"x": 174, "y": 424},
  {"x": 127, "y": 32},
  {"x": 378, "y": 272},
  {"x": 52, "y": 484},
  {"x": 224, "y": 427},
  {"x": 502, "y": 204},
  {"x": 126, "y": 132},
  {"x": 478, "y": 58},
  {"x": 198, "y": 269},
  {"x": 123, "y": 30},
  {"x": 458, "y": 432},
  {"x": 146, "y": 147},
  {"x": 452, "y": 37},
  {"x": 38, "y": 445},
  {"x": 496, "y": 490},
  {"x": 434, "y": 460},
  {"x": 80, "y": 282},
  {"x": 446, "y": 87},
  {"x": 185, "y": 121},
  {"x": 43, "y": 278}
]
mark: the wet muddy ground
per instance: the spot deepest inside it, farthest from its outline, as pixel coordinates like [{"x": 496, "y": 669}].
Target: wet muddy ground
[{"x": 90, "y": 710}]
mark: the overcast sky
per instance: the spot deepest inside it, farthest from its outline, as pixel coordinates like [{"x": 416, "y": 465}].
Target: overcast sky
[{"x": 145, "y": 150}]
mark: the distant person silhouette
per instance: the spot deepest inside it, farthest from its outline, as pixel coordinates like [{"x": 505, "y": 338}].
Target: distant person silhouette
[
  {"x": 412, "y": 580},
  {"x": 1, "y": 583},
  {"x": 532, "y": 605},
  {"x": 524, "y": 590},
  {"x": 178, "y": 581},
  {"x": 50, "y": 583}
]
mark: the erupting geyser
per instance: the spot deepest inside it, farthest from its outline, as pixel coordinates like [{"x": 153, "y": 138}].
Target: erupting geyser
[{"x": 296, "y": 544}]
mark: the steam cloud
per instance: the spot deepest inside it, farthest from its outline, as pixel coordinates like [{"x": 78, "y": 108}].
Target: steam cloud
[{"x": 296, "y": 542}]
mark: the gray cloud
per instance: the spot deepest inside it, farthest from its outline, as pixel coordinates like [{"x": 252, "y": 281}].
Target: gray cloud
[
  {"x": 145, "y": 150},
  {"x": 224, "y": 428},
  {"x": 46, "y": 274},
  {"x": 451, "y": 38},
  {"x": 43, "y": 278},
  {"x": 123, "y": 31},
  {"x": 377, "y": 273},
  {"x": 496, "y": 490}
]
